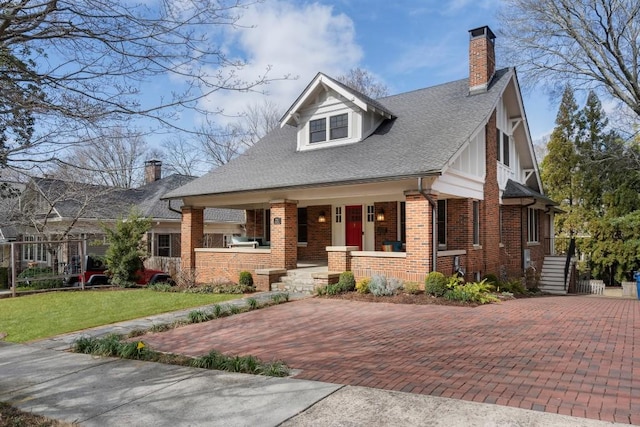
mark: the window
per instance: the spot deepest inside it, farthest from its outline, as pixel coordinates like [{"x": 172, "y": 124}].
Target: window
[
  {"x": 317, "y": 130},
  {"x": 338, "y": 214},
  {"x": 505, "y": 149},
  {"x": 302, "y": 225},
  {"x": 476, "y": 223},
  {"x": 267, "y": 225},
  {"x": 35, "y": 251},
  {"x": 403, "y": 222},
  {"x": 532, "y": 235},
  {"x": 502, "y": 143},
  {"x": 339, "y": 126},
  {"x": 164, "y": 245},
  {"x": 442, "y": 223},
  {"x": 371, "y": 213}
]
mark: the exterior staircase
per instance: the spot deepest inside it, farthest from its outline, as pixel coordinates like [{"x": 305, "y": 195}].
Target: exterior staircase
[
  {"x": 552, "y": 275},
  {"x": 296, "y": 281}
]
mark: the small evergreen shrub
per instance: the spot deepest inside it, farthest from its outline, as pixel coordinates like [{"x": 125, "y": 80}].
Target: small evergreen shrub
[
  {"x": 411, "y": 287},
  {"x": 246, "y": 279},
  {"x": 435, "y": 284},
  {"x": 362, "y": 286},
  {"x": 347, "y": 283}
]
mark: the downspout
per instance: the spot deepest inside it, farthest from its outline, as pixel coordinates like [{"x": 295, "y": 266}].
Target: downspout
[
  {"x": 172, "y": 209},
  {"x": 434, "y": 224}
]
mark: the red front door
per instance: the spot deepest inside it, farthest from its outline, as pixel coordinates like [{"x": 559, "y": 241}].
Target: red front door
[{"x": 354, "y": 226}]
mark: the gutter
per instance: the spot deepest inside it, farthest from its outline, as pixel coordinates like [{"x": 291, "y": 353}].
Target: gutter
[{"x": 434, "y": 224}]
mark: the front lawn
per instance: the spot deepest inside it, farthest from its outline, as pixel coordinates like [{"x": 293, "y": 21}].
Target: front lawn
[{"x": 40, "y": 316}]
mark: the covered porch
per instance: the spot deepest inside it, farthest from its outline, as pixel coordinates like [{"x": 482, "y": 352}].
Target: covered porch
[{"x": 388, "y": 228}]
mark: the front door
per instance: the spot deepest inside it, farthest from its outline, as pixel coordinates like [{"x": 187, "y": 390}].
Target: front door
[{"x": 353, "y": 226}]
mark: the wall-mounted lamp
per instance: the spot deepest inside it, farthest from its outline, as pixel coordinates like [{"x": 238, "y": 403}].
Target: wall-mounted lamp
[
  {"x": 380, "y": 215},
  {"x": 322, "y": 217}
]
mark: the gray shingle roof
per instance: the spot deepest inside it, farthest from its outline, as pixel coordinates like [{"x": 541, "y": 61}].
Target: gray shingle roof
[
  {"x": 515, "y": 190},
  {"x": 104, "y": 202},
  {"x": 431, "y": 125}
]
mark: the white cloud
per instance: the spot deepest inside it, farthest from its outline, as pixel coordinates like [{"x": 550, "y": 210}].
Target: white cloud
[{"x": 297, "y": 40}]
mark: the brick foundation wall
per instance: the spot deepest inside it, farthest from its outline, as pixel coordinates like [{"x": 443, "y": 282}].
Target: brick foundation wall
[{"x": 227, "y": 265}]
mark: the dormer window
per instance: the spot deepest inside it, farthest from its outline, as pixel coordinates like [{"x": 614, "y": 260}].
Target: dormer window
[{"x": 338, "y": 128}]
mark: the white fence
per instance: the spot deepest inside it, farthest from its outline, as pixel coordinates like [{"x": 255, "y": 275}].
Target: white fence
[{"x": 587, "y": 286}]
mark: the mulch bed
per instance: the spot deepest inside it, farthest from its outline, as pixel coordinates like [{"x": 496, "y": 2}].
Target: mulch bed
[{"x": 401, "y": 298}]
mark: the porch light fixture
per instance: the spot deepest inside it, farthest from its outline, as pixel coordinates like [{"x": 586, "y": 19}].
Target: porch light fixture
[
  {"x": 380, "y": 215},
  {"x": 322, "y": 217}
]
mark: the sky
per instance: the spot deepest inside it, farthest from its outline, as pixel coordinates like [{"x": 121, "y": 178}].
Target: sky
[{"x": 406, "y": 44}]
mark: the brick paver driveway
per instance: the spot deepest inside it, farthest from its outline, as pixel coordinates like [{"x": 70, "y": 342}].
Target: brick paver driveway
[{"x": 573, "y": 355}]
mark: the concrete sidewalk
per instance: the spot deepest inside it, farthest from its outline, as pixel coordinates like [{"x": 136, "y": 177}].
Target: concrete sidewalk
[{"x": 95, "y": 391}]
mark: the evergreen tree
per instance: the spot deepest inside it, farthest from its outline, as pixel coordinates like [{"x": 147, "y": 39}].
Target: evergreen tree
[
  {"x": 125, "y": 252},
  {"x": 560, "y": 163}
]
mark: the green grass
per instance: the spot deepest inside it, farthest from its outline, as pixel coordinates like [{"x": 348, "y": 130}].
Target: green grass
[{"x": 40, "y": 316}]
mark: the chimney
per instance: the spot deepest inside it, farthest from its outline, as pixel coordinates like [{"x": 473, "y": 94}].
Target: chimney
[
  {"x": 152, "y": 171},
  {"x": 482, "y": 59}
]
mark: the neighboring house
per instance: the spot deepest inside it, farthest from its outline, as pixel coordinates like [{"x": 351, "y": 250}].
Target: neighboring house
[
  {"x": 53, "y": 209},
  {"x": 9, "y": 203},
  {"x": 443, "y": 178}
]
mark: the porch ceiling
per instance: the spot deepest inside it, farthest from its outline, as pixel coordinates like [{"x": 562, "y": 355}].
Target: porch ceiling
[{"x": 334, "y": 194}]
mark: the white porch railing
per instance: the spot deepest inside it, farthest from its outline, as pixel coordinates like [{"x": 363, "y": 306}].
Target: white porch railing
[{"x": 504, "y": 174}]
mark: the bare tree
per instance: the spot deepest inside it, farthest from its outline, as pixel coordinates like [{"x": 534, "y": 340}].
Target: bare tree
[
  {"x": 181, "y": 156},
  {"x": 114, "y": 159},
  {"x": 364, "y": 82},
  {"x": 74, "y": 66},
  {"x": 590, "y": 43}
]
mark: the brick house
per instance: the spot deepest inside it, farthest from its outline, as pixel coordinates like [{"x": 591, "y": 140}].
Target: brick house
[{"x": 441, "y": 178}]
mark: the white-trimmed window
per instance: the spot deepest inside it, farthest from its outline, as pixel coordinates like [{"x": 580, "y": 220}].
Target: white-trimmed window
[
  {"x": 371, "y": 213},
  {"x": 476, "y": 222},
  {"x": 164, "y": 245},
  {"x": 503, "y": 149},
  {"x": 338, "y": 128},
  {"x": 442, "y": 223},
  {"x": 533, "y": 225},
  {"x": 338, "y": 214},
  {"x": 33, "y": 251}
]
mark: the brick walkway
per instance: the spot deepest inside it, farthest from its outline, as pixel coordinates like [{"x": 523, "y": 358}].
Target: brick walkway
[{"x": 567, "y": 355}]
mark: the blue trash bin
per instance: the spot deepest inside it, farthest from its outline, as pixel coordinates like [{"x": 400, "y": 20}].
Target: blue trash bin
[{"x": 636, "y": 275}]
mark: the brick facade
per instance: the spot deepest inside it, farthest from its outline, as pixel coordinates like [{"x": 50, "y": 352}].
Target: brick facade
[
  {"x": 225, "y": 264},
  {"x": 419, "y": 223},
  {"x": 284, "y": 235},
  {"x": 318, "y": 234},
  {"x": 490, "y": 206},
  {"x": 192, "y": 232},
  {"x": 386, "y": 229}
]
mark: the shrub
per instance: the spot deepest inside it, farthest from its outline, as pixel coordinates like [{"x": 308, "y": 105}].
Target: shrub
[
  {"x": 435, "y": 284},
  {"x": 491, "y": 279},
  {"x": 381, "y": 286},
  {"x": 161, "y": 287},
  {"x": 221, "y": 288},
  {"x": 39, "y": 278},
  {"x": 513, "y": 286},
  {"x": 363, "y": 285},
  {"x": 246, "y": 279},
  {"x": 470, "y": 292},
  {"x": 347, "y": 283},
  {"x": 411, "y": 287}
]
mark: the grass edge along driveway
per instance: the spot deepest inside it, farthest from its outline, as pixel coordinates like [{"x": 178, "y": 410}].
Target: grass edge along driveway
[{"x": 33, "y": 317}]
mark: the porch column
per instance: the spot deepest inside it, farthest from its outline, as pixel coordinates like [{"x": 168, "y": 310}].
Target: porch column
[
  {"x": 284, "y": 234},
  {"x": 192, "y": 234},
  {"x": 419, "y": 232}
]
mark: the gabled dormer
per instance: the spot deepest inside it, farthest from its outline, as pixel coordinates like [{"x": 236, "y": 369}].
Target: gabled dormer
[{"x": 329, "y": 113}]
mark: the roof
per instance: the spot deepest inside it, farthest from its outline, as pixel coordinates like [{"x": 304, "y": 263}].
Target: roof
[
  {"x": 515, "y": 190},
  {"x": 429, "y": 128},
  {"x": 72, "y": 199}
]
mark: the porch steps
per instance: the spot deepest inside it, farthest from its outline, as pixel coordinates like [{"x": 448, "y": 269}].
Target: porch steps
[
  {"x": 299, "y": 281},
  {"x": 552, "y": 275}
]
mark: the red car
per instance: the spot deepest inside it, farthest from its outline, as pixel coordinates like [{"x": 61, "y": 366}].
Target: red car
[{"x": 94, "y": 273}]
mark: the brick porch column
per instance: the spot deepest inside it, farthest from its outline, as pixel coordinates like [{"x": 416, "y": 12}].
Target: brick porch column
[
  {"x": 192, "y": 233},
  {"x": 419, "y": 226},
  {"x": 284, "y": 234}
]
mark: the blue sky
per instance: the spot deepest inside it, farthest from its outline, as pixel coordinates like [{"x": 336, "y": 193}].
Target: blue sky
[{"x": 407, "y": 44}]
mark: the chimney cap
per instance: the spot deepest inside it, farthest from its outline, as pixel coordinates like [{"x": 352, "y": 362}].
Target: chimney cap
[{"x": 484, "y": 31}]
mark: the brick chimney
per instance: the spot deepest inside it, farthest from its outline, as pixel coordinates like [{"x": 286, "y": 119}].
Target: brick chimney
[
  {"x": 152, "y": 171},
  {"x": 482, "y": 59}
]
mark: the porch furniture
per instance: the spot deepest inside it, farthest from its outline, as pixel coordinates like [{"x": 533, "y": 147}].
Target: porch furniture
[{"x": 241, "y": 241}]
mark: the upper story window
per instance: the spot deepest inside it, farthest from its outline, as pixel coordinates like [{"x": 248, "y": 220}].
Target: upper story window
[
  {"x": 502, "y": 142},
  {"x": 338, "y": 128}
]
